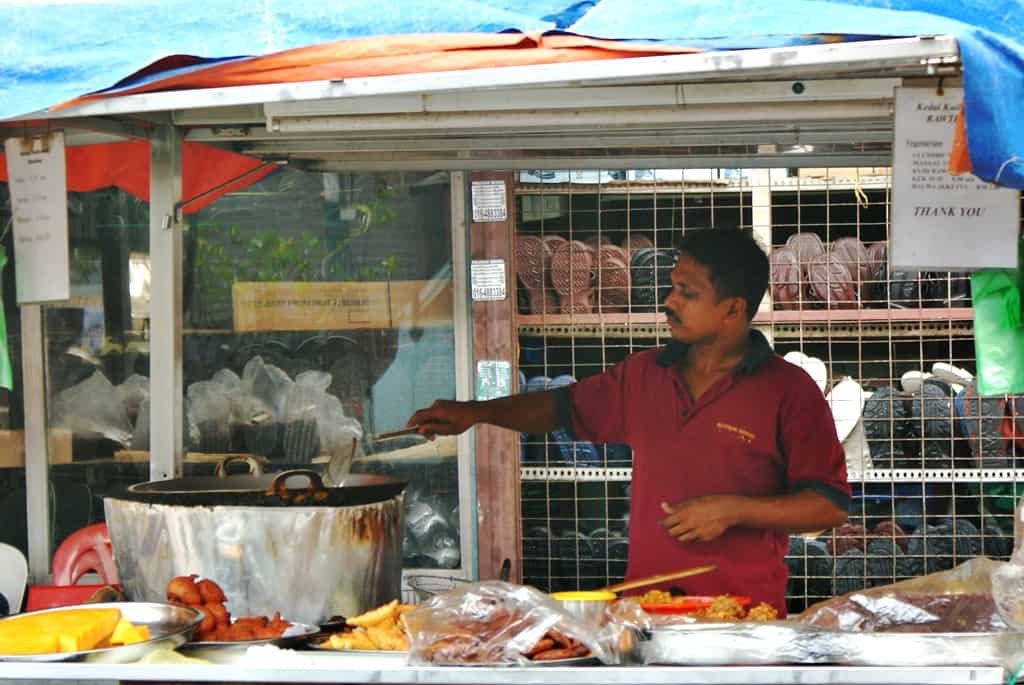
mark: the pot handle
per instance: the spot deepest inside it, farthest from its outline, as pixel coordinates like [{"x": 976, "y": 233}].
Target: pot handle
[
  {"x": 314, "y": 491},
  {"x": 221, "y": 470}
]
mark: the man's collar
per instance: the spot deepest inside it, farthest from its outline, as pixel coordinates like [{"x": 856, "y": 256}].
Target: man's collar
[{"x": 758, "y": 352}]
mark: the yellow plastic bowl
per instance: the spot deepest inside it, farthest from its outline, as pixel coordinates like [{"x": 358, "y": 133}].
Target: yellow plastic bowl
[{"x": 584, "y": 596}]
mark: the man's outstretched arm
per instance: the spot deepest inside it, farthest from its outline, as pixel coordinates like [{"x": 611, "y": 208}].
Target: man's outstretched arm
[{"x": 535, "y": 412}]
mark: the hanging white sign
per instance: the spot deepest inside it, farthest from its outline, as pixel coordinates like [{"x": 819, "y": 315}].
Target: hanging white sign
[
  {"x": 489, "y": 201},
  {"x": 487, "y": 279},
  {"x": 943, "y": 222},
  {"x": 39, "y": 204}
]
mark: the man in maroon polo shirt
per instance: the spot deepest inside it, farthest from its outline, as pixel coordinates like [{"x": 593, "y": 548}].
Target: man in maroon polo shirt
[{"x": 733, "y": 447}]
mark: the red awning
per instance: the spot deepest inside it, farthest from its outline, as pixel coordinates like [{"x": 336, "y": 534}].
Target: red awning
[{"x": 126, "y": 165}]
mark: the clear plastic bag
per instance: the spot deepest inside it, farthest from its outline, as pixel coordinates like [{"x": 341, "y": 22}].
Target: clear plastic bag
[
  {"x": 266, "y": 382},
  {"x": 140, "y": 435},
  {"x": 132, "y": 393},
  {"x": 93, "y": 408},
  {"x": 498, "y": 623},
  {"x": 956, "y": 601},
  {"x": 209, "y": 408},
  {"x": 1008, "y": 579}
]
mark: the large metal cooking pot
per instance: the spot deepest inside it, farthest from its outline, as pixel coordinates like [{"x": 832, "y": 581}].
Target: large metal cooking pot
[{"x": 273, "y": 542}]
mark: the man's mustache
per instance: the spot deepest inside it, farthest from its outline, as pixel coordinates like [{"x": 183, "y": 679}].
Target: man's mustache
[{"x": 670, "y": 314}]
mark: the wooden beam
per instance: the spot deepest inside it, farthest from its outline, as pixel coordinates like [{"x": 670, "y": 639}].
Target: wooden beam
[{"x": 497, "y": 449}]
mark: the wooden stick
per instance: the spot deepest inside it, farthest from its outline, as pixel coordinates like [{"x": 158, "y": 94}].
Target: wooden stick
[{"x": 661, "y": 578}]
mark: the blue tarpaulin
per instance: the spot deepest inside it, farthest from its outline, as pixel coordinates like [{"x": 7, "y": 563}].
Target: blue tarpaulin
[
  {"x": 990, "y": 33},
  {"x": 56, "y": 50}
]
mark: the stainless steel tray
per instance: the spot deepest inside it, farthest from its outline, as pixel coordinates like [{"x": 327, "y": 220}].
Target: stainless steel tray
[
  {"x": 736, "y": 644},
  {"x": 933, "y": 649},
  {"x": 167, "y": 623},
  {"x": 786, "y": 642}
]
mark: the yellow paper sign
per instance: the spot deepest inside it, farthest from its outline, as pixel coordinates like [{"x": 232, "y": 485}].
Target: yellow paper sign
[{"x": 341, "y": 306}]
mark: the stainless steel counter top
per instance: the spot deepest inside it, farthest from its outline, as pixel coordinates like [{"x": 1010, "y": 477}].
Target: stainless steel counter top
[{"x": 336, "y": 668}]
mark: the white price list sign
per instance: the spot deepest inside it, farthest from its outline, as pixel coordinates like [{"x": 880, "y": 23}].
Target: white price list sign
[
  {"x": 489, "y": 201},
  {"x": 487, "y": 280},
  {"x": 39, "y": 203},
  {"x": 943, "y": 222}
]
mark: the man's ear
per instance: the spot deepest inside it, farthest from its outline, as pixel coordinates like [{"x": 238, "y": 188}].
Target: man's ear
[{"x": 737, "y": 308}]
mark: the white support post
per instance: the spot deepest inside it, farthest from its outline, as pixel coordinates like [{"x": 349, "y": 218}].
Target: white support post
[
  {"x": 463, "y": 330},
  {"x": 165, "y": 249},
  {"x": 761, "y": 220},
  {"x": 37, "y": 462}
]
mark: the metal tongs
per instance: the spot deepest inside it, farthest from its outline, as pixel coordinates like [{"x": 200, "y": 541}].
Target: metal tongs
[{"x": 340, "y": 463}]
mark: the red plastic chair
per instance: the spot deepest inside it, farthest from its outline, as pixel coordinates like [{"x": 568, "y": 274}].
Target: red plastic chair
[
  {"x": 86, "y": 550},
  {"x": 83, "y": 551}
]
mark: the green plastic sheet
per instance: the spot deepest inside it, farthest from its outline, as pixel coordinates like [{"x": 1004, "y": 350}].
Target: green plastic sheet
[{"x": 998, "y": 329}]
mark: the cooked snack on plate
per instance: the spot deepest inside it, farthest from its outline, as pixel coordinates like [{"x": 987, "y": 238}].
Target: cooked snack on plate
[
  {"x": 218, "y": 626},
  {"x": 720, "y": 608},
  {"x": 377, "y": 629}
]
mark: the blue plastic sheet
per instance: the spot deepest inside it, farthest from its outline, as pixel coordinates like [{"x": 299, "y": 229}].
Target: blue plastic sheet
[
  {"x": 990, "y": 33},
  {"x": 56, "y": 50}
]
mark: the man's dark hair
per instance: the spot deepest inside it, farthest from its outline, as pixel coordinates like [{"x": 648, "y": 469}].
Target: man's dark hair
[{"x": 737, "y": 265}]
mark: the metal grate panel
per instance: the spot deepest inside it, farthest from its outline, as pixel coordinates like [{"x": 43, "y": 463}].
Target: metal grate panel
[{"x": 934, "y": 468}]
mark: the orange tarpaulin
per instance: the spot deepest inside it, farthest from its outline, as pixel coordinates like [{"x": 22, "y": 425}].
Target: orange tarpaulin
[
  {"x": 390, "y": 55},
  {"x": 126, "y": 165},
  {"x": 959, "y": 156}
]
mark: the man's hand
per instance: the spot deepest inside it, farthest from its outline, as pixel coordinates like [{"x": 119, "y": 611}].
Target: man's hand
[
  {"x": 700, "y": 519},
  {"x": 444, "y": 417}
]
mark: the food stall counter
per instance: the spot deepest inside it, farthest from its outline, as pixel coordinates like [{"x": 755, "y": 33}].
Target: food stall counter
[{"x": 334, "y": 668}]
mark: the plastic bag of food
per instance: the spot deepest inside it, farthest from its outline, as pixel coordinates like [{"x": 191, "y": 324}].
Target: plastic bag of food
[
  {"x": 300, "y": 436},
  {"x": 209, "y": 408},
  {"x": 266, "y": 382},
  {"x": 132, "y": 392},
  {"x": 498, "y": 623},
  {"x": 318, "y": 380},
  {"x": 956, "y": 601},
  {"x": 140, "y": 434},
  {"x": 337, "y": 431},
  {"x": 228, "y": 378},
  {"x": 93, "y": 408}
]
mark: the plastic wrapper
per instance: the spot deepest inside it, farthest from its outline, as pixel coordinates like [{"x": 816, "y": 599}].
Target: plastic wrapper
[
  {"x": 1008, "y": 578},
  {"x": 228, "y": 378},
  {"x": 319, "y": 380},
  {"x": 499, "y": 623},
  {"x": 209, "y": 408},
  {"x": 260, "y": 429},
  {"x": 959, "y": 600},
  {"x": 132, "y": 393},
  {"x": 93, "y": 408},
  {"x": 430, "y": 533},
  {"x": 140, "y": 435},
  {"x": 266, "y": 382}
]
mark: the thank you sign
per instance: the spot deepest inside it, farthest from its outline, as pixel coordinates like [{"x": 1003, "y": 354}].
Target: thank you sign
[{"x": 939, "y": 221}]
